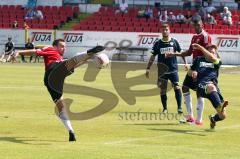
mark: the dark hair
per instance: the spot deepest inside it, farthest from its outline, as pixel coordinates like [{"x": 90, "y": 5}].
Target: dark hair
[
  {"x": 165, "y": 25},
  {"x": 196, "y": 19},
  {"x": 56, "y": 42}
]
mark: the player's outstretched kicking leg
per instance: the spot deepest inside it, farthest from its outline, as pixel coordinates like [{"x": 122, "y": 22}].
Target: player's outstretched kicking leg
[
  {"x": 55, "y": 81},
  {"x": 81, "y": 58}
]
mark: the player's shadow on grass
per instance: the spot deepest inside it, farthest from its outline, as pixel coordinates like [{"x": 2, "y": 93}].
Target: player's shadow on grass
[
  {"x": 156, "y": 124},
  {"x": 152, "y": 124},
  {"x": 187, "y": 132},
  {"x": 24, "y": 140}
]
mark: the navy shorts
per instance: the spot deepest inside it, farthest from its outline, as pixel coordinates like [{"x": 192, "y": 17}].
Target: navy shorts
[
  {"x": 188, "y": 82},
  {"x": 202, "y": 91},
  {"x": 54, "y": 79},
  {"x": 163, "y": 80}
]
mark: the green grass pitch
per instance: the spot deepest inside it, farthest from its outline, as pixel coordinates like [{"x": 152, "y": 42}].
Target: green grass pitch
[{"x": 29, "y": 128}]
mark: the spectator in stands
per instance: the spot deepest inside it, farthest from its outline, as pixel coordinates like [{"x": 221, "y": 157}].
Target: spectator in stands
[
  {"x": 25, "y": 26},
  {"x": 163, "y": 18},
  {"x": 187, "y": 4},
  {"x": 123, "y": 7},
  {"x": 141, "y": 12},
  {"x": 15, "y": 24},
  {"x": 203, "y": 13},
  {"x": 181, "y": 18},
  {"x": 30, "y": 14},
  {"x": 238, "y": 1},
  {"x": 210, "y": 19},
  {"x": 38, "y": 14},
  {"x": 188, "y": 16},
  {"x": 198, "y": 4},
  {"x": 171, "y": 18},
  {"x": 226, "y": 16},
  {"x": 210, "y": 8},
  {"x": 148, "y": 13},
  {"x": 221, "y": 7}
]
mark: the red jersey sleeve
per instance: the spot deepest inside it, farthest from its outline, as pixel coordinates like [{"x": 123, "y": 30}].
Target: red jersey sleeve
[
  {"x": 40, "y": 52},
  {"x": 206, "y": 39}
]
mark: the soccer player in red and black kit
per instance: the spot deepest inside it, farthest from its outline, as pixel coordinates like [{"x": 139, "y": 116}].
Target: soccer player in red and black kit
[
  {"x": 56, "y": 69},
  {"x": 202, "y": 38}
]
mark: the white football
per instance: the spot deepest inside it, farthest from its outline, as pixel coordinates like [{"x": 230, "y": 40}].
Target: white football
[{"x": 101, "y": 60}]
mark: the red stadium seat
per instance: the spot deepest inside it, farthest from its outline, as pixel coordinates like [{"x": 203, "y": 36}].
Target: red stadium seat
[
  {"x": 138, "y": 29},
  {"x": 186, "y": 30},
  {"x": 218, "y": 31},
  {"x": 130, "y": 29},
  {"x": 107, "y": 28},
  {"x": 178, "y": 30},
  {"x": 123, "y": 28},
  {"x": 234, "y": 32},
  {"x": 226, "y": 31},
  {"x": 99, "y": 28},
  {"x": 146, "y": 29},
  {"x": 154, "y": 29},
  {"x": 115, "y": 28}
]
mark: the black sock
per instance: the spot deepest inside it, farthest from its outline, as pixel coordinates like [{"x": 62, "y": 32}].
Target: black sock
[
  {"x": 178, "y": 96},
  {"x": 216, "y": 118},
  {"x": 164, "y": 101},
  {"x": 215, "y": 99}
]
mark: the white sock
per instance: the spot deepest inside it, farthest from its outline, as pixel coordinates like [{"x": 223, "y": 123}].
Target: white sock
[
  {"x": 63, "y": 116},
  {"x": 81, "y": 56},
  {"x": 200, "y": 108},
  {"x": 188, "y": 103}
]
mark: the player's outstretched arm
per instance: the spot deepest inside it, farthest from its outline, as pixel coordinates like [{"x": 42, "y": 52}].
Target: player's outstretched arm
[
  {"x": 150, "y": 62},
  {"x": 206, "y": 53},
  {"x": 26, "y": 52},
  {"x": 182, "y": 54}
]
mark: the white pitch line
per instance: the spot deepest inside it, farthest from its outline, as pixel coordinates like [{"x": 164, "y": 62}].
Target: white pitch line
[
  {"x": 167, "y": 135},
  {"x": 137, "y": 139}
]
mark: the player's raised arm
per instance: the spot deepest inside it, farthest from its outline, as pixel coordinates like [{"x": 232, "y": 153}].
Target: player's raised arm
[{"x": 210, "y": 56}]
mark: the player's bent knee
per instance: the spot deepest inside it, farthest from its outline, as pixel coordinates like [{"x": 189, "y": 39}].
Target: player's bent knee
[
  {"x": 176, "y": 87},
  {"x": 211, "y": 88},
  {"x": 185, "y": 89},
  {"x": 59, "y": 100}
]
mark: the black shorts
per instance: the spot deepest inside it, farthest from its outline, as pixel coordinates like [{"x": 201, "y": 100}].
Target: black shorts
[
  {"x": 188, "y": 82},
  {"x": 54, "y": 79},
  {"x": 163, "y": 80},
  {"x": 202, "y": 91}
]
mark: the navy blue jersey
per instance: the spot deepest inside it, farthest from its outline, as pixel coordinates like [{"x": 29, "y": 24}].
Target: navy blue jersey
[
  {"x": 207, "y": 71},
  {"x": 161, "y": 47}
]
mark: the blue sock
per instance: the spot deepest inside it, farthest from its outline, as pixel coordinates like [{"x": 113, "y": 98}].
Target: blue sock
[
  {"x": 178, "y": 96},
  {"x": 215, "y": 99},
  {"x": 164, "y": 101}
]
